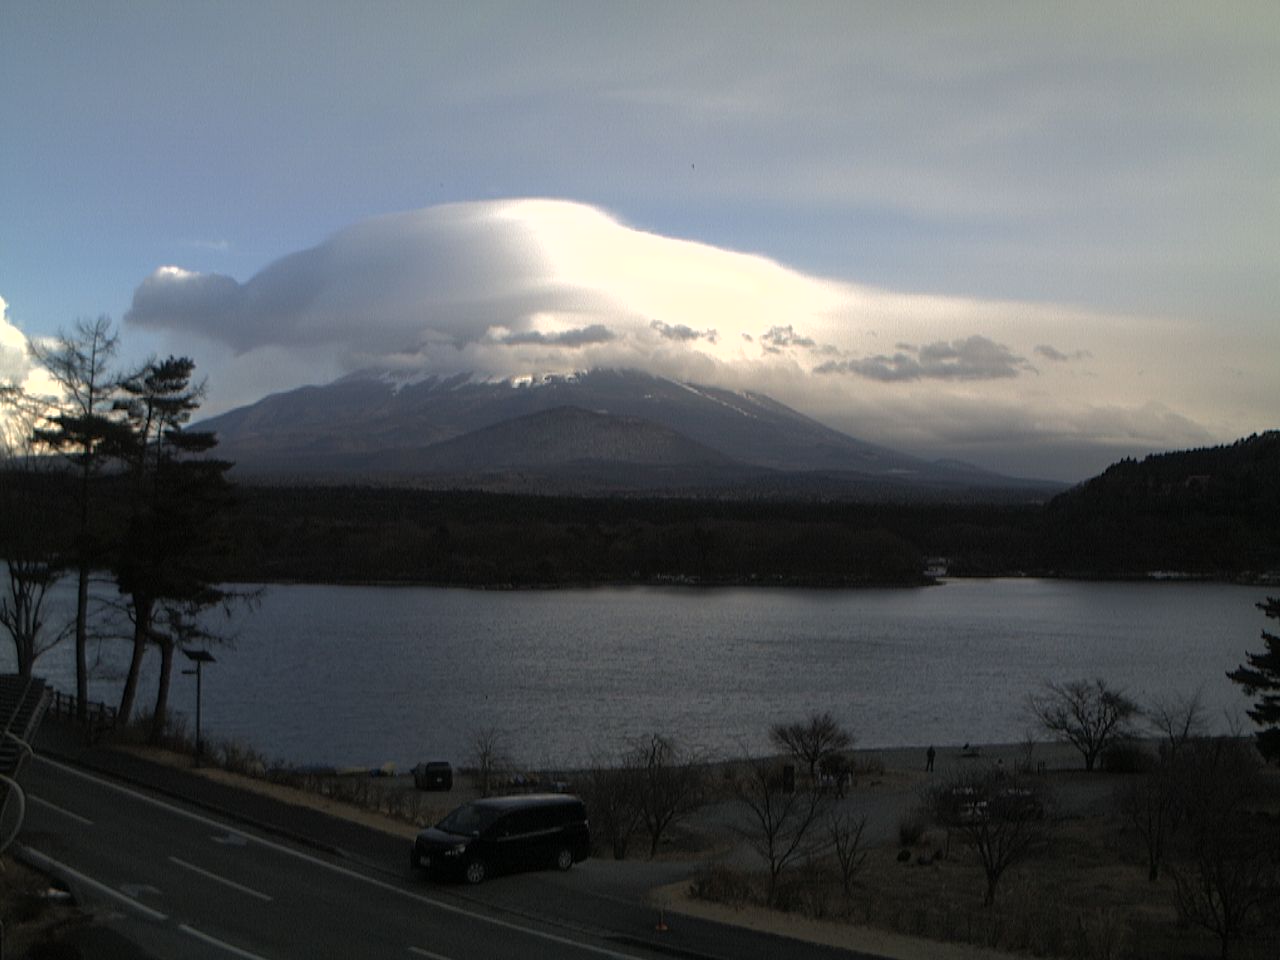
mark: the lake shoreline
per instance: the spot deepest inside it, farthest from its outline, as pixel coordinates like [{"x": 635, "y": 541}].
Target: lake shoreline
[{"x": 693, "y": 582}]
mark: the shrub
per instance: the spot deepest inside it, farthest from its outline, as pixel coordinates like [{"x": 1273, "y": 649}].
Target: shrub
[
  {"x": 174, "y": 735},
  {"x": 241, "y": 758},
  {"x": 1127, "y": 756},
  {"x": 911, "y": 829},
  {"x": 717, "y": 883},
  {"x": 868, "y": 767},
  {"x": 810, "y": 896}
]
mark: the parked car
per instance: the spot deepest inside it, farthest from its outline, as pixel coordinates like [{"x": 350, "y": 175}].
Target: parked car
[
  {"x": 498, "y": 834},
  {"x": 433, "y": 775}
]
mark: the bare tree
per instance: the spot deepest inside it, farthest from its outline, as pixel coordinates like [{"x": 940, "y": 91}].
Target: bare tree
[
  {"x": 1002, "y": 818},
  {"x": 1227, "y": 865},
  {"x": 29, "y": 541},
  {"x": 1089, "y": 716},
  {"x": 1227, "y": 888},
  {"x": 813, "y": 740},
  {"x": 780, "y": 825},
  {"x": 86, "y": 431},
  {"x": 488, "y": 752},
  {"x": 671, "y": 784},
  {"x": 612, "y": 795},
  {"x": 1151, "y": 805},
  {"x": 844, "y": 834},
  {"x": 1177, "y": 720}
]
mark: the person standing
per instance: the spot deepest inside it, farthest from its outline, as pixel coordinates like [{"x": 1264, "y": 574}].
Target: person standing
[{"x": 928, "y": 759}]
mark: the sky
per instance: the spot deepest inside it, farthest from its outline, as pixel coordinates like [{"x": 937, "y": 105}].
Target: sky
[{"x": 1036, "y": 237}]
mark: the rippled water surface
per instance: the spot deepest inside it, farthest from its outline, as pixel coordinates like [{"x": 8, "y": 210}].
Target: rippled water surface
[{"x": 364, "y": 675}]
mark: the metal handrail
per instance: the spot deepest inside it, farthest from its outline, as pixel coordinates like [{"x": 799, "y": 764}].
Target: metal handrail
[
  {"x": 14, "y": 789},
  {"x": 25, "y": 752}
]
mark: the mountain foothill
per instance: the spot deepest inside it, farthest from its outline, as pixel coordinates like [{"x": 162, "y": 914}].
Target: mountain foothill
[{"x": 620, "y": 476}]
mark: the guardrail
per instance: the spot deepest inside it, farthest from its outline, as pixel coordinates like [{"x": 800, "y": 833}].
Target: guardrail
[{"x": 66, "y": 706}]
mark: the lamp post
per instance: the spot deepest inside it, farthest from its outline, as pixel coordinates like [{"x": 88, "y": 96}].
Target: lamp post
[{"x": 199, "y": 658}]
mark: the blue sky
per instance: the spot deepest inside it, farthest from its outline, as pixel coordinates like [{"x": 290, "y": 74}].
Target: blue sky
[{"x": 1036, "y": 237}]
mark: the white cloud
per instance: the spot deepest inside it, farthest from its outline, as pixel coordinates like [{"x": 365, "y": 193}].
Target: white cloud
[
  {"x": 16, "y": 365},
  {"x": 14, "y": 362},
  {"x": 519, "y": 287},
  {"x": 469, "y": 284},
  {"x": 17, "y": 369}
]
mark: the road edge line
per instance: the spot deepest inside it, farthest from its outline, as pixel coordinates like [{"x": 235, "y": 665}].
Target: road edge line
[{"x": 58, "y": 869}]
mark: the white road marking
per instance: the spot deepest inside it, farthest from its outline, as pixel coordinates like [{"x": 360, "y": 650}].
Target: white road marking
[
  {"x": 340, "y": 870},
  {"x": 222, "y": 880},
  {"x": 144, "y": 798},
  {"x": 62, "y": 810},
  {"x": 428, "y": 954},
  {"x": 220, "y": 944},
  {"x": 53, "y": 866}
]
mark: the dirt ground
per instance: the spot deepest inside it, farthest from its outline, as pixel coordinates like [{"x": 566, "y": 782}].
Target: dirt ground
[{"x": 36, "y": 913}]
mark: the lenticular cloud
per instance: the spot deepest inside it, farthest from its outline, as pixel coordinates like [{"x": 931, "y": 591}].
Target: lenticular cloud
[
  {"x": 393, "y": 283},
  {"x": 529, "y": 287},
  {"x": 507, "y": 287}
]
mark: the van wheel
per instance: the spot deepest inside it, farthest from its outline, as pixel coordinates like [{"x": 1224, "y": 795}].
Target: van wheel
[
  {"x": 476, "y": 872},
  {"x": 564, "y": 858}
]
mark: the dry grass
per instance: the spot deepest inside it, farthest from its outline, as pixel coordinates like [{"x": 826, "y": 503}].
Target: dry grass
[{"x": 1085, "y": 896}]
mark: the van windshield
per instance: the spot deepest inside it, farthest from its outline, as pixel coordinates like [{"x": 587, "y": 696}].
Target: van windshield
[{"x": 468, "y": 820}]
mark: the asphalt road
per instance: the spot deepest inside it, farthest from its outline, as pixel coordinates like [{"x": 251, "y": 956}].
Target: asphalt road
[{"x": 169, "y": 879}]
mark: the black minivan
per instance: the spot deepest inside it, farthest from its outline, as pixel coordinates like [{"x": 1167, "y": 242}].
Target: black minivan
[{"x": 505, "y": 833}]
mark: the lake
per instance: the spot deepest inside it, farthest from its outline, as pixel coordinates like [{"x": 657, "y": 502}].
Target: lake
[{"x": 365, "y": 675}]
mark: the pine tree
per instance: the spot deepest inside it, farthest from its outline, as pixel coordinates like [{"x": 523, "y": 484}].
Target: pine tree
[
  {"x": 87, "y": 431},
  {"x": 1262, "y": 676},
  {"x": 178, "y": 491}
]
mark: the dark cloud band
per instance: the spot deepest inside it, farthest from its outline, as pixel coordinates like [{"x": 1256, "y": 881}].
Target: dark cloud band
[
  {"x": 582, "y": 337},
  {"x": 974, "y": 358}
]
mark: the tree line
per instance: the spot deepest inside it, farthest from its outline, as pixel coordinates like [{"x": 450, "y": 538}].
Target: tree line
[{"x": 1210, "y": 513}]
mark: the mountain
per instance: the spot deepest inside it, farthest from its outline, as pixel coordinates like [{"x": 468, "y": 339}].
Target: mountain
[
  {"x": 602, "y": 431},
  {"x": 1208, "y": 512}
]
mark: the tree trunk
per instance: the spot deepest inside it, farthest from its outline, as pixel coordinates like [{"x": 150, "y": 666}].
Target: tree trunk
[
  {"x": 162, "y": 692},
  {"x": 82, "y": 588},
  {"x": 15, "y": 614},
  {"x": 82, "y": 645},
  {"x": 24, "y": 646},
  {"x": 142, "y": 608}
]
